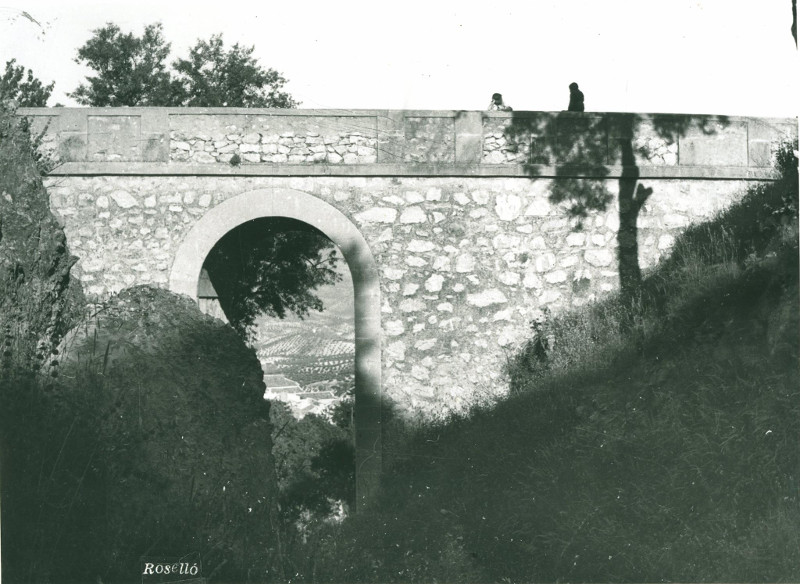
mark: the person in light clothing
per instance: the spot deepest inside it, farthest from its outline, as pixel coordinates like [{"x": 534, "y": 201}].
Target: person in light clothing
[{"x": 497, "y": 104}]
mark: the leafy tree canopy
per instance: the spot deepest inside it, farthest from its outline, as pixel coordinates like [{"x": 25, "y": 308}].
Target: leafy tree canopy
[
  {"x": 271, "y": 266},
  {"x": 133, "y": 71},
  {"x": 25, "y": 89},
  {"x": 214, "y": 77},
  {"x": 130, "y": 70}
]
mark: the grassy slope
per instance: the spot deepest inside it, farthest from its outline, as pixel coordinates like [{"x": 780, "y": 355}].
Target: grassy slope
[{"x": 654, "y": 443}]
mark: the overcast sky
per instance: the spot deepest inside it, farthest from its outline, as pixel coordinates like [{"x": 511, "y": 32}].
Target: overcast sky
[{"x": 700, "y": 56}]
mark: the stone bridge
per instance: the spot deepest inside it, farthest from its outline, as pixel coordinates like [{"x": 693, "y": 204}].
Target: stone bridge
[{"x": 447, "y": 219}]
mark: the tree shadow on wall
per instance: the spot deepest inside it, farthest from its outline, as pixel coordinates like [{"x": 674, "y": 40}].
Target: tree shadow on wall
[{"x": 580, "y": 150}]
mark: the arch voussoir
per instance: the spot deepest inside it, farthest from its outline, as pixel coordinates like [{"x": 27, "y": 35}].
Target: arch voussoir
[{"x": 293, "y": 204}]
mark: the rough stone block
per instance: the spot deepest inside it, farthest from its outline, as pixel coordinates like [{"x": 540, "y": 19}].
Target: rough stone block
[
  {"x": 760, "y": 153},
  {"x": 508, "y": 207},
  {"x": 124, "y": 199},
  {"x": 155, "y": 147},
  {"x": 581, "y": 139},
  {"x": 434, "y": 283},
  {"x": 72, "y": 147},
  {"x": 465, "y": 263},
  {"x": 413, "y": 215},
  {"x": 114, "y": 138},
  {"x": 429, "y": 139},
  {"x": 487, "y": 298},
  {"x": 419, "y": 246},
  {"x": 538, "y": 208},
  {"x": 598, "y": 257},
  {"x": 394, "y": 328},
  {"x": 715, "y": 144},
  {"x": 468, "y": 137},
  {"x": 377, "y": 215}
]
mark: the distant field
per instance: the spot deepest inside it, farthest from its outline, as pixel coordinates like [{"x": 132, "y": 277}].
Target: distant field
[
  {"x": 319, "y": 348},
  {"x": 303, "y": 343},
  {"x": 308, "y": 370}
]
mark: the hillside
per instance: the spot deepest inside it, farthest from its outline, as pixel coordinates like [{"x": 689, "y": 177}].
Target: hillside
[
  {"x": 646, "y": 440},
  {"x": 317, "y": 351}
]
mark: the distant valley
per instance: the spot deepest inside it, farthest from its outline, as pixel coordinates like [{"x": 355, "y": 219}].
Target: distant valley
[{"x": 318, "y": 351}]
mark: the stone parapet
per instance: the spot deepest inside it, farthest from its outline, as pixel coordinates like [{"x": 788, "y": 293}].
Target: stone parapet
[{"x": 525, "y": 141}]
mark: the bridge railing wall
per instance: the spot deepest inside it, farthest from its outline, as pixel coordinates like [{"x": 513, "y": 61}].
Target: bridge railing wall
[{"x": 493, "y": 141}]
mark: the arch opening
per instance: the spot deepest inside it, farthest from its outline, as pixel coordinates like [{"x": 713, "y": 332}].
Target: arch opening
[{"x": 294, "y": 205}]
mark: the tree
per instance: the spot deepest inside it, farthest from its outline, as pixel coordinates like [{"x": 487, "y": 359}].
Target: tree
[
  {"x": 25, "y": 90},
  {"x": 214, "y": 77},
  {"x": 271, "y": 266},
  {"x": 130, "y": 70},
  {"x": 133, "y": 71}
]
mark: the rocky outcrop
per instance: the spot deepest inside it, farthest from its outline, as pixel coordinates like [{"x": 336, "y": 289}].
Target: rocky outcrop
[
  {"x": 184, "y": 433},
  {"x": 37, "y": 296}
]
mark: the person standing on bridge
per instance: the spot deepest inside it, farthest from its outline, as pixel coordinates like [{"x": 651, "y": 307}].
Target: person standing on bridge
[
  {"x": 497, "y": 104},
  {"x": 575, "y": 98}
]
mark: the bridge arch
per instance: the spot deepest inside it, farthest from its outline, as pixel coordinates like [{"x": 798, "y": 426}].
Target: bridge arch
[{"x": 284, "y": 202}]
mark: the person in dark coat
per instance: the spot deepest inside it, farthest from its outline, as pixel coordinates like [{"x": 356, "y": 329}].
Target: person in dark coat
[{"x": 575, "y": 98}]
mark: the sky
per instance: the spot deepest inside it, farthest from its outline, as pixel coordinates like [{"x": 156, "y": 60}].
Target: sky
[{"x": 733, "y": 57}]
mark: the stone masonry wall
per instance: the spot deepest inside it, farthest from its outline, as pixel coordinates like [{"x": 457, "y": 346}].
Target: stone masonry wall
[
  {"x": 275, "y": 140},
  {"x": 212, "y": 136},
  {"x": 464, "y": 262},
  {"x": 658, "y": 139}
]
